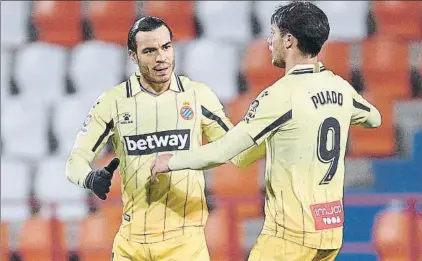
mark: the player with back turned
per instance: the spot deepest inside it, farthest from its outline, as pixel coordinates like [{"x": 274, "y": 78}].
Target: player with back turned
[
  {"x": 303, "y": 119},
  {"x": 154, "y": 111}
]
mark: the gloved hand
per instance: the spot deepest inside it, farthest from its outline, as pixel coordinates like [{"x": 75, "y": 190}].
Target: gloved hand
[{"x": 99, "y": 180}]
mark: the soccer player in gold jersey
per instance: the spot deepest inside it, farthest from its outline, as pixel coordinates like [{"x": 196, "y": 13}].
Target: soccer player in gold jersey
[
  {"x": 303, "y": 119},
  {"x": 154, "y": 111}
]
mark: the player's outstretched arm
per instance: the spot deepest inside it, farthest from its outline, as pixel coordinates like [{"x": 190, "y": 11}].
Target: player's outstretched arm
[
  {"x": 249, "y": 156},
  {"x": 205, "y": 157},
  {"x": 215, "y": 125},
  {"x": 96, "y": 129},
  {"x": 364, "y": 113}
]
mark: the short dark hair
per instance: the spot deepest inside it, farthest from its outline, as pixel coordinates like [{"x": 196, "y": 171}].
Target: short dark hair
[
  {"x": 306, "y": 22},
  {"x": 144, "y": 24}
]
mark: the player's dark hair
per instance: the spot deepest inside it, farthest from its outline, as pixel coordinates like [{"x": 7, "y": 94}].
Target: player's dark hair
[
  {"x": 306, "y": 22},
  {"x": 144, "y": 24}
]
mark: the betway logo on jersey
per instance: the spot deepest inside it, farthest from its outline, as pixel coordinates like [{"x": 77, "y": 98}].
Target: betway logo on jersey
[
  {"x": 145, "y": 144},
  {"x": 328, "y": 215}
]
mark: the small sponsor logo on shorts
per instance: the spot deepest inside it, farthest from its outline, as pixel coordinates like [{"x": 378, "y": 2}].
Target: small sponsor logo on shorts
[
  {"x": 328, "y": 215},
  {"x": 126, "y": 217}
]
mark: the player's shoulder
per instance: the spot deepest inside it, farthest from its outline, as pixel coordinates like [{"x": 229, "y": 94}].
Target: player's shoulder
[
  {"x": 279, "y": 89},
  {"x": 190, "y": 84},
  {"x": 114, "y": 93},
  {"x": 199, "y": 87}
]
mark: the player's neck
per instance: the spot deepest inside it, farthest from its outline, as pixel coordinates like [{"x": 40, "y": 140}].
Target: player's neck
[
  {"x": 297, "y": 59},
  {"x": 156, "y": 88}
]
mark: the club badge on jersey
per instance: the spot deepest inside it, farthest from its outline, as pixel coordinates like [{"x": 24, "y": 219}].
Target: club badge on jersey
[
  {"x": 84, "y": 128},
  {"x": 186, "y": 111},
  {"x": 252, "y": 110}
]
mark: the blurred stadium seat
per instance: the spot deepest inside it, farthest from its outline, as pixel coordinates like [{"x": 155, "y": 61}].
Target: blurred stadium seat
[
  {"x": 41, "y": 70},
  {"x": 70, "y": 199},
  {"x": 346, "y": 14},
  {"x": 65, "y": 130},
  {"x": 217, "y": 236},
  {"x": 179, "y": 15},
  {"x": 335, "y": 55},
  {"x": 236, "y": 109},
  {"x": 95, "y": 67},
  {"x": 218, "y": 72},
  {"x": 225, "y": 181},
  {"x": 382, "y": 140},
  {"x": 14, "y": 23},
  {"x": 42, "y": 239},
  {"x": 95, "y": 237},
  {"x": 19, "y": 115},
  {"x": 385, "y": 66},
  {"x": 257, "y": 66},
  {"x": 219, "y": 22},
  {"x": 4, "y": 241},
  {"x": 392, "y": 234},
  {"x": 58, "y": 22},
  {"x": 398, "y": 19},
  {"x": 15, "y": 187},
  {"x": 111, "y": 20},
  {"x": 6, "y": 70}
]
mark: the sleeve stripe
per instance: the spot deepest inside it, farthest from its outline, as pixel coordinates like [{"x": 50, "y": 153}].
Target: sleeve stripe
[
  {"x": 287, "y": 116},
  {"x": 359, "y": 105},
  {"x": 109, "y": 126},
  {"x": 214, "y": 117}
]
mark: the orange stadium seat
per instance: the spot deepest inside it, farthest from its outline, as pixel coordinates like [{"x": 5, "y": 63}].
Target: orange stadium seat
[
  {"x": 335, "y": 57},
  {"x": 257, "y": 67},
  {"x": 385, "y": 62},
  {"x": 42, "y": 239},
  {"x": 377, "y": 142},
  {"x": 111, "y": 20},
  {"x": 179, "y": 15},
  {"x": 401, "y": 19},
  {"x": 236, "y": 110},
  {"x": 4, "y": 241},
  {"x": 95, "y": 237},
  {"x": 58, "y": 22},
  {"x": 392, "y": 235},
  {"x": 218, "y": 235},
  {"x": 420, "y": 59},
  {"x": 229, "y": 181}
]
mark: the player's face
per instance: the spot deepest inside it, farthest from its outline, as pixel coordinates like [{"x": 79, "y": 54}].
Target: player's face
[
  {"x": 155, "y": 55},
  {"x": 276, "y": 47}
]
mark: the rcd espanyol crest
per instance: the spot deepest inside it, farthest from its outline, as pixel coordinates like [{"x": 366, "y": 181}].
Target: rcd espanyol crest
[{"x": 186, "y": 111}]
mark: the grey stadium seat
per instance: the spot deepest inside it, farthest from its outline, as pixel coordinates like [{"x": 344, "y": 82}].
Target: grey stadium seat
[
  {"x": 219, "y": 72},
  {"x": 41, "y": 70},
  {"x": 15, "y": 188},
  {"x": 96, "y": 66},
  {"x": 51, "y": 185}
]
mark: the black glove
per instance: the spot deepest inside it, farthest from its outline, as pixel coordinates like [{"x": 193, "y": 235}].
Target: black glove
[{"x": 99, "y": 180}]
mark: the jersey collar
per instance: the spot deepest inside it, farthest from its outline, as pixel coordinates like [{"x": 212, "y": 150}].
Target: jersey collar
[
  {"x": 134, "y": 86},
  {"x": 306, "y": 68}
]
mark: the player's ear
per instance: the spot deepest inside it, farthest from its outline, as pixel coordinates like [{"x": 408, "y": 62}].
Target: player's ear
[
  {"x": 289, "y": 40},
  {"x": 133, "y": 56}
]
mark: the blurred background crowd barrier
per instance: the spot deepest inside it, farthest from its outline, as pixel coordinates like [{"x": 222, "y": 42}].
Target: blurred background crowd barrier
[{"x": 58, "y": 56}]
